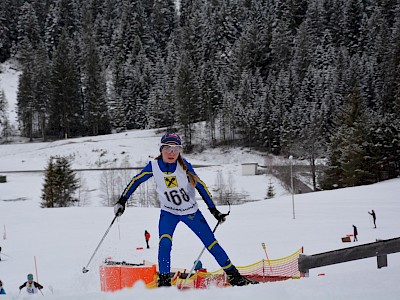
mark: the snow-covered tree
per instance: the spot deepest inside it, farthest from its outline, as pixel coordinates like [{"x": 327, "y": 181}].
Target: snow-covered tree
[{"x": 60, "y": 184}]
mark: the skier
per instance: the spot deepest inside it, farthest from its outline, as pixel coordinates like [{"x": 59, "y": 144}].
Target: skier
[
  {"x": 0, "y": 253},
  {"x": 355, "y": 233},
  {"x": 147, "y": 238},
  {"x": 176, "y": 181},
  {"x": 2, "y": 291},
  {"x": 372, "y": 213},
  {"x": 198, "y": 266},
  {"x": 32, "y": 287}
]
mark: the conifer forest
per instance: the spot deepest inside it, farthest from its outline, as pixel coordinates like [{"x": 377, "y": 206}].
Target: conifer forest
[{"x": 313, "y": 79}]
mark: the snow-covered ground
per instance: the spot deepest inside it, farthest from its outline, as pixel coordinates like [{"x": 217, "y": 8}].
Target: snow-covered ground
[{"x": 62, "y": 240}]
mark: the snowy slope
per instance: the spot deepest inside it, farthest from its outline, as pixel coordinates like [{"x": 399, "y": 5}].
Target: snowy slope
[{"x": 63, "y": 239}]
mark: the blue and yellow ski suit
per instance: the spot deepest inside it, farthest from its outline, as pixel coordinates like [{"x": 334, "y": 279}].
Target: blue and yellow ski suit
[{"x": 168, "y": 220}]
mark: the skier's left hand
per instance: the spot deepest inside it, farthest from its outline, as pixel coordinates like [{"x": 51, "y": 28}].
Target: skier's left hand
[{"x": 221, "y": 218}]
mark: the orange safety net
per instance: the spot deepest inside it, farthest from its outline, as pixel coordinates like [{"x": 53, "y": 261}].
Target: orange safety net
[
  {"x": 262, "y": 271},
  {"x": 273, "y": 270}
]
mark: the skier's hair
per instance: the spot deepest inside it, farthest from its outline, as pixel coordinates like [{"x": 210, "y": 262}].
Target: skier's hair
[{"x": 193, "y": 178}]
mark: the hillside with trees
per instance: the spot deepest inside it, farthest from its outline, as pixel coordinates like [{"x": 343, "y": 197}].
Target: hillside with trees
[{"x": 313, "y": 79}]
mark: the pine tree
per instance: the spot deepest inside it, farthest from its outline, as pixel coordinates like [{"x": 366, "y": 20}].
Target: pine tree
[
  {"x": 281, "y": 37},
  {"x": 163, "y": 21},
  {"x": 257, "y": 34},
  {"x": 210, "y": 97},
  {"x": 382, "y": 146},
  {"x": 187, "y": 96},
  {"x": 270, "y": 190},
  {"x": 250, "y": 95},
  {"x": 62, "y": 17},
  {"x": 116, "y": 108},
  {"x": 28, "y": 32},
  {"x": 226, "y": 113},
  {"x": 355, "y": 161},
  {"x": 350, "y": 24},
  {"x": 159, "y": 105},
  {"x": 8, "y": 27},
  {"x": 60, "y": 184},
  {"x": 4, "y": 122},
  {"x": 94, "y": 85},
  {"x": 132, "y": 82},
  {"x": 26, "y": 100},
  {"x": 106, "y": 20},
  {"x": 42, "y": 89},
  {"x": 351, "y": 156},
  {"x": 49, "y": 191},
  {"x": 66, "y": 108}
]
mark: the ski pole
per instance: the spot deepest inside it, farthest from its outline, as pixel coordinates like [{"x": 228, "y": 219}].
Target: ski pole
[
  {"x": 85, "y": 269},
  {"x": 197, "y": 260},
  {"x": 37, "y": 276},
  {"x": 204, "y": 248},
  {"x": 265, "y": 250}
]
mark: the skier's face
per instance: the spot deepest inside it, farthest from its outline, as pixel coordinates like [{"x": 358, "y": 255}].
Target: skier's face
[{"x": 170, "y": 153}]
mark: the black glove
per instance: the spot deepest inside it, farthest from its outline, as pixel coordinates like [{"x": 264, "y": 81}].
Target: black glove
[
  {"x": 218, "y": 215},
  {"x": 119, "y": 207}
]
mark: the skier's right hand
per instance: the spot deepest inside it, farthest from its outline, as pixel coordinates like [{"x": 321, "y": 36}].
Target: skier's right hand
[{"x": 119, "y": 207}]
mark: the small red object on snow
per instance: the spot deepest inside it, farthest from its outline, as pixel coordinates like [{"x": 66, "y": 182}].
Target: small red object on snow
[
  {"x": 321, "y": 274},
  {"x": 139, "y": 248}
]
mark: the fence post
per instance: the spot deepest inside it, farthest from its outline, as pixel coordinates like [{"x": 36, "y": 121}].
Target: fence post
[{"x": 381, "y": 260}]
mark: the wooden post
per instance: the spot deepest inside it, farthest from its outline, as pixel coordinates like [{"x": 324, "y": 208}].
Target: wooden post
[{"x": 381, "y": 260}]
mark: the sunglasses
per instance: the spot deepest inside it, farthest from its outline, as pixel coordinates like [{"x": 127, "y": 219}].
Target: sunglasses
[{"x": 172, "y": 148}]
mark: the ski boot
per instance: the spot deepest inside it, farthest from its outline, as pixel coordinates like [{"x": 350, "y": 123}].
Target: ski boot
[
  {"x": 235, "y": 278},
  {"x": 164, "y": 280}
]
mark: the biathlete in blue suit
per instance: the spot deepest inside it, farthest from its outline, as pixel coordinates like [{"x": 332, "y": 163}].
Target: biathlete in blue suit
[{"x": 176, "y": 182}]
